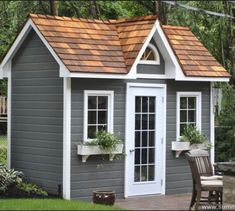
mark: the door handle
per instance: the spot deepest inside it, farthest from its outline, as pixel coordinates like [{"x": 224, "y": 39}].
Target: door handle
[{"x": 132, "y": 150}]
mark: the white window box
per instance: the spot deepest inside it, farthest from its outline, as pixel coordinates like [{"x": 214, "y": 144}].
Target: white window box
[
  {"x": 86, "y": 150},
  {"x": 179, "y": 146}
]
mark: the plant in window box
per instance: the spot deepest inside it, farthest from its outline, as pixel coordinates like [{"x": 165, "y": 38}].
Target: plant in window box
[
  {"x": 196, "y": 139},
  {"x": 105, "y": 143}
]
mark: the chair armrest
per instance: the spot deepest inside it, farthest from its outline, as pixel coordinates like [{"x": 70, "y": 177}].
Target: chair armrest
[{"x": 214, "y": 177}]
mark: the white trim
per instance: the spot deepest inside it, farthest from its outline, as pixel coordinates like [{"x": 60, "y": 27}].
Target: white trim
[
  {"x": 9, "y": 84},
  {"x": 153, "y": 76},
  {"x": 67, "y": 139},
  {"x": 198, "y": 96},
  {"x": 110, "y": 95},
  {"x": 202, "y": 79},
  {"x": 157, "y": 57},
  {"x": 128, "y": 87},
  {"x": 212, "y": 125},
  {"x": 101, "y": 75}
]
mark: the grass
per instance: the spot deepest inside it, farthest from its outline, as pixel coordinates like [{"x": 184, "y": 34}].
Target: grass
[
  {"x": 50, "y": 204},
  {"x": 3, "y": 141}
]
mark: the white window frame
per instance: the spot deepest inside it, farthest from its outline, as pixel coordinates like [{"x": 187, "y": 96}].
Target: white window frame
[
  {"x": 110, "y": 95},
  {"x": 152, "y": 62},
  {"x": 198, "y": 96}
]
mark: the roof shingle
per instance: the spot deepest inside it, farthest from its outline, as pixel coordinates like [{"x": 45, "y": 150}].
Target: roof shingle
[{"x": 97, "y": 46}]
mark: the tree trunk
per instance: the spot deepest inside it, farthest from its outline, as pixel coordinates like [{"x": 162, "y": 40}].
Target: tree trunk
[{"x": 53, "y": 7}]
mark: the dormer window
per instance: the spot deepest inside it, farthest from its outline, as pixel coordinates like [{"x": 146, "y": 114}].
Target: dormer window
[{"x": 150, "y": 55}]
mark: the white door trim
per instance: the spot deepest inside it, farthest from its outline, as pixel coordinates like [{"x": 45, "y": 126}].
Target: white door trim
[{"x": 128, "y": 87}]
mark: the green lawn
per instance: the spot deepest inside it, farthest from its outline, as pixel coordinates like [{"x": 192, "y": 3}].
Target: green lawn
[
  {"x": 50, "y": 204},
  {"x": 3, "y": 140}
]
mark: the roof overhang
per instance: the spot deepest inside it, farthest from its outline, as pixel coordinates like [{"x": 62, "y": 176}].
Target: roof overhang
[{"x": 173, "y": 68}]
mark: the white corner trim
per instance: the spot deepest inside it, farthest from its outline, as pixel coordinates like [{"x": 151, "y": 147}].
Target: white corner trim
[
  {"x": 67, "y": 139},
  {"x": 198, "y": 96},
  {"x": 9, "y": 84},
  {"x": 212, "y": 125},
  {"x": 110, "y": 95},
  {"x": 152, "y": 62}
]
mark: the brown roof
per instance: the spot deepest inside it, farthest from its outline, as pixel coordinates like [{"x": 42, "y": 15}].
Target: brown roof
[
  {"x": 96, "y": 46},
  {"x": 193, "y": 57}
]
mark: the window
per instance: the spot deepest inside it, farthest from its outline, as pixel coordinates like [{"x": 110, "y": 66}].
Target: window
[
  {"x": 150, "y": 55},
  {"x": 98, "y": 112},
  {"x": 188, "y": 110}
]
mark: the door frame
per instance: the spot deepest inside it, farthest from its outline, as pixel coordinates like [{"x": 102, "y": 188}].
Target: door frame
[{"x": 146, "y": 85}]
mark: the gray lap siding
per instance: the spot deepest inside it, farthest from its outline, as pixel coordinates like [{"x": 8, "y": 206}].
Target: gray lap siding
[
  {"x": 37, "y": 115},
  {"x": 98, "y": 172}
]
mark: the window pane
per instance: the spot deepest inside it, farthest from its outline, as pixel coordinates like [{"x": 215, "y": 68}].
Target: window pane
[
  {"x": 137, "y": 174},
  {"x": 151, "y": 104},
  {"x": 103, "y": 102},
  {"x": 183, "y": 102},
  {"x": 91, "y": 117},
  {"x": 191, "y": 102},
  {"x": 91, "y": 131},
  {"x": 191, "y": 116},
  {"x": 151, "y": 155},
  {"x": 144, "y": 156},
  {"x": 151, "y": 121},
  {"x": 143, "y": 173},
  {"x": 102, "y": 117},
  {"x": 92, "y": 102},
  {"x": 144, "y": 104},
  {"x": 144, "y": 121},
  {"x": 137, "y": 121},
  {"x": 102, "y": 127},
  {"x": 144, "y": 139},
  {"x": 182, "y": 126},
  {"x": 137, "y": 104},
  {"x": 183, "y": 116},
  {"x": 137, "y": 139},
  {"x": 151, "y": 138},
  {"x": 137, "y": 156},
  {"x": 151, "y": 173}
]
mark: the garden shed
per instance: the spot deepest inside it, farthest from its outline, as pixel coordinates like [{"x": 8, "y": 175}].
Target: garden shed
[{"x": 69, "y": 78}]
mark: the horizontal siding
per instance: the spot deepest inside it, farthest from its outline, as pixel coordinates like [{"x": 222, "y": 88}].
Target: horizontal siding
[{"x": 37, "y": 115}]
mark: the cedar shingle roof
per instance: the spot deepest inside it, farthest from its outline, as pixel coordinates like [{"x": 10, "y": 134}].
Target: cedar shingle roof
[{"x": 96, "y": 46}]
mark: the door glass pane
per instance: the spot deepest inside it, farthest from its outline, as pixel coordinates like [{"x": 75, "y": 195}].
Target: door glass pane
[{"x": 144, "y": 138}]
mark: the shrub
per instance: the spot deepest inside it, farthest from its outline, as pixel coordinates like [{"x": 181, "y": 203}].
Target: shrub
[
  {"x": 31, "y": 189},
  {"x": 3, "y": 155},
  {"x": 9, "y": 177}
]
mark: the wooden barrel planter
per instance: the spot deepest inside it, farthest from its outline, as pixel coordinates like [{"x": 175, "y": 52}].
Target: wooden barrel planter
[{"x": 104, "y": 197}]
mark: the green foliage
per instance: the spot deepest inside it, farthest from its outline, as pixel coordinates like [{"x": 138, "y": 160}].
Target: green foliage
[
  {"x": 31, "y": 189},
  {"x": 225, "y": 134},
  {"x": 9, "y": 177},
  {"x": 106, "y": 141},
  {"x": 3, "y": 155},
  {"x": 192, "y": 135}
]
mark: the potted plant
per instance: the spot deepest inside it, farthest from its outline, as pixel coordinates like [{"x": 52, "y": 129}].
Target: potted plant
[
  {"x": 105, "y": 143},
  {"x": 104, "y": 197},
  {"x": 196, "y": 139}
]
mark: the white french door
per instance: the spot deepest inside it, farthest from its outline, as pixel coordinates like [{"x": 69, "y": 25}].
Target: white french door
[{"x": 144, "y": 140}]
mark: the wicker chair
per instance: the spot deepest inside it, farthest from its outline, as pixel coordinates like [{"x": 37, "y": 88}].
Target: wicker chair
[{"x": 204, "y": 180}]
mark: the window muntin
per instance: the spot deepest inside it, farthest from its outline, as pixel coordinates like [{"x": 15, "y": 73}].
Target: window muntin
[
  {"x": 98, "y": 111},
  {"x": 188, "y": 111},
  {"x": 150, "y": 55}
]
